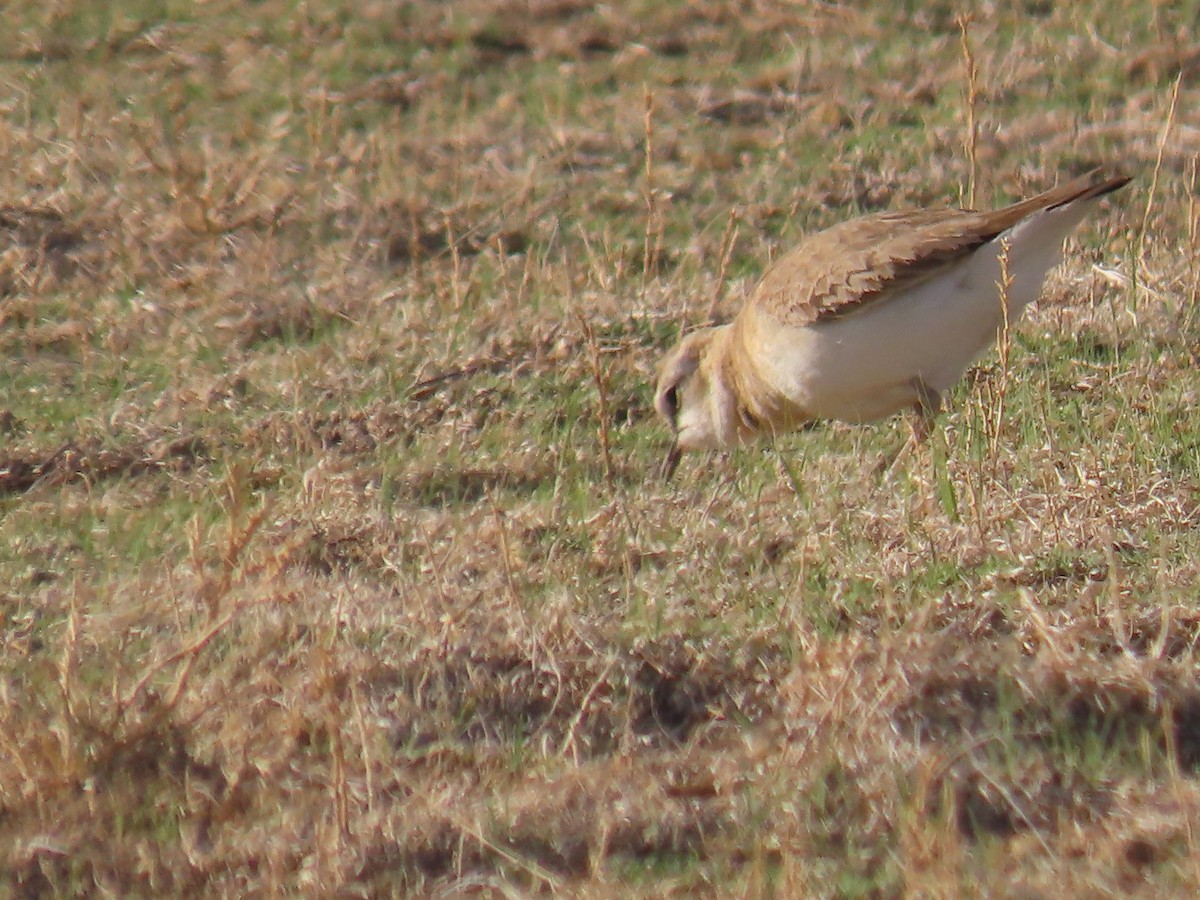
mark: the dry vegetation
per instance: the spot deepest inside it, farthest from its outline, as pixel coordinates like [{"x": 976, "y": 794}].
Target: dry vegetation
[{"x": 328, "y": 558}]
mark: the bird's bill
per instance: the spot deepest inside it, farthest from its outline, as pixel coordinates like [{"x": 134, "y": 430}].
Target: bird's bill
[{"x": 671, "y": 461}]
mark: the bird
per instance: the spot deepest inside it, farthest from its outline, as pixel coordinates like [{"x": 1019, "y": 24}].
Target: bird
[{"x": 876, "y": 315}]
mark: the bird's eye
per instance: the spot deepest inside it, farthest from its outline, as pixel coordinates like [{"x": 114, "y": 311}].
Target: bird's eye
[{"x": 670, "y": 403}]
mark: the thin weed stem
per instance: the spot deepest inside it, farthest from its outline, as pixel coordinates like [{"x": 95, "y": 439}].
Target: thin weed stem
[
  {"x": 728, "y": 239},
  {"x": 652, "y": 242},
  {"x": 1144, "y": 228},
  {"x": 971, "y": 141},
  {"x": 1004, "y": 348}
]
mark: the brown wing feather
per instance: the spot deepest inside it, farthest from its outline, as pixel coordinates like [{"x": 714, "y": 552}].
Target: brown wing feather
[{"x": 839, "y": 271}]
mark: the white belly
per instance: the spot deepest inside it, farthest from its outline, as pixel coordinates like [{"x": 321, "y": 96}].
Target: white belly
[{"x": 868, "y": 365}]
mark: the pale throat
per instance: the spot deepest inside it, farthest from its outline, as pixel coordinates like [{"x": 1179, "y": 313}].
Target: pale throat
[{"x": 746, "y": 403}]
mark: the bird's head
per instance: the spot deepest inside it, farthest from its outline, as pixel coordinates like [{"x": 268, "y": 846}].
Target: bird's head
[{"x": 692, "y": 396}]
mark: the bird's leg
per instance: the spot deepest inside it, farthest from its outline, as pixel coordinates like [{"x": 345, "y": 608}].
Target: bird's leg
[
  {"x": 921, "y": 417},
  {"x": 925, "y": 410}
]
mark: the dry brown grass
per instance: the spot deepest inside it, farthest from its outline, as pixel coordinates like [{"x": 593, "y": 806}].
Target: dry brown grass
[{"x": 328, "y": 558}]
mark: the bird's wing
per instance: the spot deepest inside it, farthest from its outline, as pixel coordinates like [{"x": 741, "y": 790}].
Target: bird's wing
[{"x": 842, "y": 270}]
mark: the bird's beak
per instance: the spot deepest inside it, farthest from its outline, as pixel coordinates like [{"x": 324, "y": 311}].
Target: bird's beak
[{"x": 671, "y": 462}]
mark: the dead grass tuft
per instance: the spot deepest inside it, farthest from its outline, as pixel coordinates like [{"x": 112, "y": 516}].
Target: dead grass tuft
[{"x": 93, "y": 463}]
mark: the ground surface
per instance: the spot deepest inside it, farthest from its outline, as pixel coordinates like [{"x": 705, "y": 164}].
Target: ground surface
[{"x": 329, "y": 559}]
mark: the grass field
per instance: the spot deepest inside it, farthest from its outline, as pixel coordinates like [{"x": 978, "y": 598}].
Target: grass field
[{"x": 331, "y": 556}]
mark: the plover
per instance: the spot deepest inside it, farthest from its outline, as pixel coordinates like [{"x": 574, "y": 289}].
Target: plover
[{"x": 875, "y": 315}]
